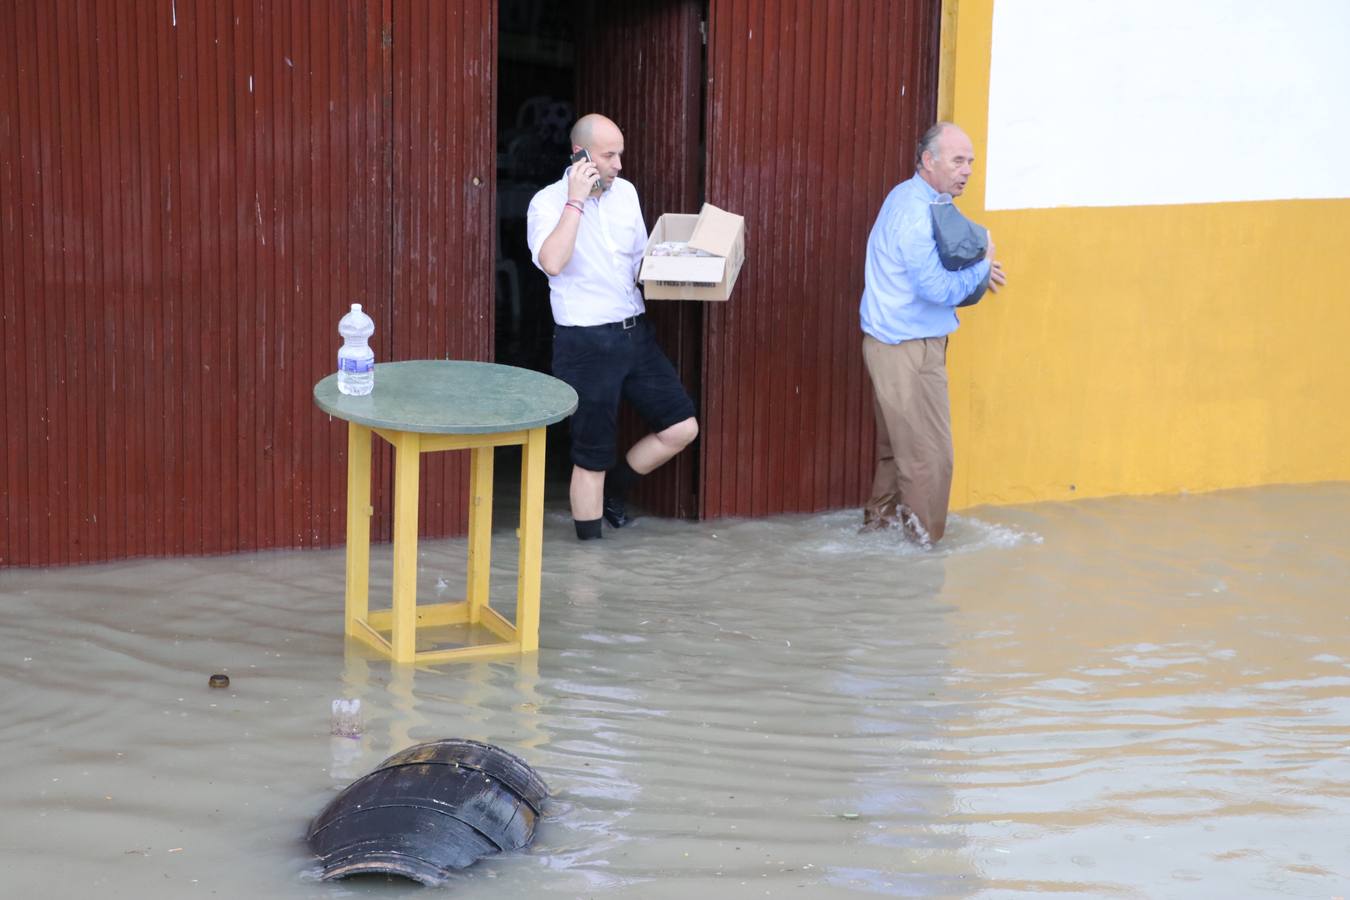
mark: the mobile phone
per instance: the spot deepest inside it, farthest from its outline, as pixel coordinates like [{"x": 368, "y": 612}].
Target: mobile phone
[{"x": 580, "y": 155}]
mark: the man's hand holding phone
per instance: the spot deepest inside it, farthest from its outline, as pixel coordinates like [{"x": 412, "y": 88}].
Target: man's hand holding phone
[{"x": 584, "y": 176}]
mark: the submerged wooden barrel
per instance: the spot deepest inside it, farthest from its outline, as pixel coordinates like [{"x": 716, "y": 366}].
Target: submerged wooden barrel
[{"x": 428, "y": 810}]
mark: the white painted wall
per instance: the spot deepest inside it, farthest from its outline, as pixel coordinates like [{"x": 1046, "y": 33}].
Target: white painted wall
[{"x": 1146, "y": 102}]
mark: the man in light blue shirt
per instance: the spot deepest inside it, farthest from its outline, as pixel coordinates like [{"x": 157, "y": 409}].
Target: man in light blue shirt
[{"x": 908, "y": 308}]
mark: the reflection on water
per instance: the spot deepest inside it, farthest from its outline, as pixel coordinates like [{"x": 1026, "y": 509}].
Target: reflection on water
[{"x": 1123, "y": 698}]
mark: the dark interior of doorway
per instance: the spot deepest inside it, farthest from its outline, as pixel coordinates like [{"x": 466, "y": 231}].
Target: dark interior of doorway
[
  {"x": 552, "y": 59},
  {"x": 536, "y": 106}
]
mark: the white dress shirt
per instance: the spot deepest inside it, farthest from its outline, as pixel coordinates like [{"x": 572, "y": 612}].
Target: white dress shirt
[{"x": 599, "y": 283}]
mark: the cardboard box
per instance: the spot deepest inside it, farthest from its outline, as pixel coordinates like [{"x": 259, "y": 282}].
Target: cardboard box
[{"x": 695, "y": 277}]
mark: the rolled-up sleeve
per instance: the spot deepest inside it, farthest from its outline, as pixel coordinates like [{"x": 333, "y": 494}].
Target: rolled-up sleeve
[{"x": 932, "y": 282}]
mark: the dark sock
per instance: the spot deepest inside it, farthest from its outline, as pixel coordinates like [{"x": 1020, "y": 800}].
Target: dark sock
[
  {"x": 587, "y": 531},
  {"x": 619, "y": 479}
]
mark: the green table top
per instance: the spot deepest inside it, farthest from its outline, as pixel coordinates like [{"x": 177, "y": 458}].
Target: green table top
[{"x": 440, "y": 396}]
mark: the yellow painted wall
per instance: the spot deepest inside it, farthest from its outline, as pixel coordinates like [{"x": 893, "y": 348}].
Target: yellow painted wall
[{"x": 1147, "y": 349}]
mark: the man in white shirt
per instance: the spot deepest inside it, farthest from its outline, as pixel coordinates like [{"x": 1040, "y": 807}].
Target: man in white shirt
[{"x": 587, "y": 234}]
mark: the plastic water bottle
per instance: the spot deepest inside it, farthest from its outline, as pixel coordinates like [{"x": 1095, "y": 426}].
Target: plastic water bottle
[{"x": 356, "y": 361}]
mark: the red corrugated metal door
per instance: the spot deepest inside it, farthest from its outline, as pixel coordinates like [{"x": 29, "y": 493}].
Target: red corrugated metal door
[
  {"x": 444, "y": 172},
  {"x": 190, "y": 194},
  {"x": 813, "y": 110},
  {"x": 640, "y": 63}
]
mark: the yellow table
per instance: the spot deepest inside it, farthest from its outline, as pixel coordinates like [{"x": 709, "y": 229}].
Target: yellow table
[{"x": 425, "y": 406}]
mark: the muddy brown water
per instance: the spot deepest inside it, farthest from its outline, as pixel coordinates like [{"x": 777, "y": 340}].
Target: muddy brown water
[{"x": 1115, "y": 698}]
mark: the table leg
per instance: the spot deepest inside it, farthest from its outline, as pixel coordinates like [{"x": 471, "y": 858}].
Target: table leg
[
  {"x": 358, "y": 525},
  {"x": 407, "y": 459},
  {"x": 480, "y": 531},
  {"x": 531, "y": 540}
]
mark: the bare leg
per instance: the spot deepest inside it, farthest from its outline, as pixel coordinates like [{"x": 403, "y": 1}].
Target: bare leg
[
  {"x": 655, "y": 449},
  {"x": 644, "y": 456},
  {"x": 586, "y": 493}
]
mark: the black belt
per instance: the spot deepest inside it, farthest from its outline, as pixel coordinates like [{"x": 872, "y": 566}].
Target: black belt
[{"x": 630, "y": 322}]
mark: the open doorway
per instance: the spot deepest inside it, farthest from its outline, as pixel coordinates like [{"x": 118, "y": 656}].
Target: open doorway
[
  {"x": 536, "y": 106},
  {"x": 640, "y": 62}
]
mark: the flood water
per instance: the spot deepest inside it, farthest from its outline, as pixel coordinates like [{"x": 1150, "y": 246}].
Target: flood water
[{"x": 1143, "y": 698}]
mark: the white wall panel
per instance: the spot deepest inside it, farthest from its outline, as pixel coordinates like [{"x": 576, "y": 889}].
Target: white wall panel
[{"x": 1145, "y": 102}]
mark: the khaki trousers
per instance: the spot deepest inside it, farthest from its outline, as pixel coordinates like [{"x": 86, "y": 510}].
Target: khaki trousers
[{"x": 913, "y": 479}]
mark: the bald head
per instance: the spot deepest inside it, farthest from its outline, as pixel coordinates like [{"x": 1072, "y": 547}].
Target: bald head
[
  {"x": 603, "y": 140},
  {"x": 592, "y": 127}
]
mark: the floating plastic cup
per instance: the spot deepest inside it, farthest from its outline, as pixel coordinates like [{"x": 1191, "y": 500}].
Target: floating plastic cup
[{"x": 347, "y": 718}]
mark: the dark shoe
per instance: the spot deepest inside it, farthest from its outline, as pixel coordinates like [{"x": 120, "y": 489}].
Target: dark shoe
[
  {"x": 616, "y": 513},
  {"x": 879, "y": 524}
]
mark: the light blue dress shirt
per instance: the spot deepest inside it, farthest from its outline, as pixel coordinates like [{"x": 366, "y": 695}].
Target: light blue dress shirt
[{"x": 907, "y": 294}]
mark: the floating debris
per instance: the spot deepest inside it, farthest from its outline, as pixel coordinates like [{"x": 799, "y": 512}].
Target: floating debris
[
  {"x": 428, "y": 810},
  {"x": 218, "y": 681},
  {"x": 346, "y": 720}
]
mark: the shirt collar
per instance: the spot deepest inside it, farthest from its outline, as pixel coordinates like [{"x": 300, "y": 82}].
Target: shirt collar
[{"x": 927, "y": 189}]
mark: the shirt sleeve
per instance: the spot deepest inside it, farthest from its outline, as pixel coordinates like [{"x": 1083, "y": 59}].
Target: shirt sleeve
[
  {"x": 540, "y": 221},
  {"x": 931, "y": 281}
]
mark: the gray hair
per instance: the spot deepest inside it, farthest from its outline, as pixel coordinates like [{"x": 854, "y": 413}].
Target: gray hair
[{"x": 929, "y": 142}]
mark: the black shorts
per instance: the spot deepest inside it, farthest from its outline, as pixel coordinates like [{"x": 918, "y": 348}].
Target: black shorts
[{"x": 605, "y": 362}]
